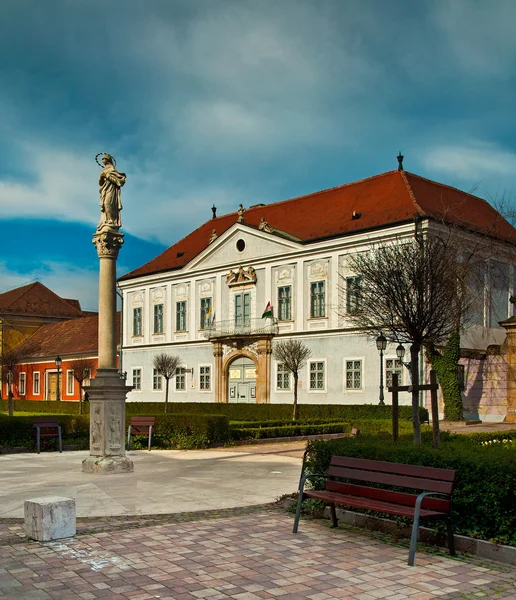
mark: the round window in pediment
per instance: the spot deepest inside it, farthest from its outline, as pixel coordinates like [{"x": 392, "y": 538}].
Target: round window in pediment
[{"x": 240, "y": 245}]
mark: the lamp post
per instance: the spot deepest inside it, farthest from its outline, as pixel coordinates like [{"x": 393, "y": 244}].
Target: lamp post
[
  {"x": 381, "y": 344},
  {"x": 59, "y": 362}
]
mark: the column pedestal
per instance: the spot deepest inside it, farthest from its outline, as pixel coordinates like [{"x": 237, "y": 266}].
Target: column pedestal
[
  {"x": 107, "y": 424},
  {"x": 510, "y": 355}
]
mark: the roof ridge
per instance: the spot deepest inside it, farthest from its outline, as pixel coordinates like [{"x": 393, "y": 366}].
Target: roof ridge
[
  {"x": 17, "y": 299},
  {"x": 411, "y": 193}
]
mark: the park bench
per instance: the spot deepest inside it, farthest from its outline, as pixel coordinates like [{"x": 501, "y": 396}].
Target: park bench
[
  {"x": 140, "y": 426},
  {"x": 47, "y": 427},
  {"x": 360, "y": 490}
]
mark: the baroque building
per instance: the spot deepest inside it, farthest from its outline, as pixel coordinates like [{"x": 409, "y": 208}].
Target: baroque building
[{"x": 206, "y": 299}]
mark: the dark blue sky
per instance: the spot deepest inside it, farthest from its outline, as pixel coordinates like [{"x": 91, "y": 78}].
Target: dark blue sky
[{"x": 234, "y": 101}]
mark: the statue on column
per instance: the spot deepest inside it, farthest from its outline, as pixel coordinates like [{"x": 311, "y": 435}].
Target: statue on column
[{"x": 110, "y": 182}]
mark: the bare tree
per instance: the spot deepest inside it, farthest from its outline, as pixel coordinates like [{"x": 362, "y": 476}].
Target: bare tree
[
  {"x": 415, "y": 291},
  {"x": 166, "y": 365},
  {"x": 10, "y": 361},
  {"x": 293, "y": 354},
  {"x": 82, "y": 369}
]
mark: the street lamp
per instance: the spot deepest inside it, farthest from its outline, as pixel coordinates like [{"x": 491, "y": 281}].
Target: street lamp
[
  {"x": 59, "y": 362},
  {"x": 381, "y": 344}
]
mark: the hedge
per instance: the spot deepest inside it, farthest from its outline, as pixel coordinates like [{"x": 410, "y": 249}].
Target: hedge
[
  {"x": 281, "y": 423},
  {"x": 259, "y": 433},
  {"x": 18, "y": 431},
  {"x": 484, "y": 500},
  {"x": 235, "y": 411}
]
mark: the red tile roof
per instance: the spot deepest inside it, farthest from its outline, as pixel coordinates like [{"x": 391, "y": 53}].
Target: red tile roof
[
  {"x": 35, "y": 299},
  {"x": 387, "y": 199},
  {"x": 77, "y": 336}
]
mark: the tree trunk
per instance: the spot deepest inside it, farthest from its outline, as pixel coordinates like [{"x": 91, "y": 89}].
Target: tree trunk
[
  {"x": 10, "y": 402},
  {"x": 166, "y": 393},
  {"x": 295, "y": 414},
  {"x": 414, "y": 370}
]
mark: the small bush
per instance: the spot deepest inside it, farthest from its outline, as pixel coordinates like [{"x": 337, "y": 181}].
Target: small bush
[
  {"x": 259, "y": 433},
  {"x": 18, "y": 431}
]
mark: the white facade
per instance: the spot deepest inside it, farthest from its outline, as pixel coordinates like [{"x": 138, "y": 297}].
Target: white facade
[{"x": 164, "y": 312}]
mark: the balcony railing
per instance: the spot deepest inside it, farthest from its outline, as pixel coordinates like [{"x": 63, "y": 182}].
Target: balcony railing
[{"x": 242, "y": 328}]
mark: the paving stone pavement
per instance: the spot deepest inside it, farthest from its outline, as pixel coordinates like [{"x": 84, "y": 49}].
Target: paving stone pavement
[{"x": 246, "y": 554}]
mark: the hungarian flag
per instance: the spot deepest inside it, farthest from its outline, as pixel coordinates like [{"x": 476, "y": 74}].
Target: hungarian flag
[{"x": 267, "y": 313}]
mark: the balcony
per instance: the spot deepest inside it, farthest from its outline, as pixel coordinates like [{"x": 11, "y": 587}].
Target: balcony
[{"x": 237, "y": 328}]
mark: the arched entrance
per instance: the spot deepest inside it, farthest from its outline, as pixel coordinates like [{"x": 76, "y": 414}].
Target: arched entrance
[{"x": 242, "y": 380}]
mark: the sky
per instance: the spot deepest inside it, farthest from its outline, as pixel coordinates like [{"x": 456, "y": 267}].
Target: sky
[{"x": 224, "y": 102}]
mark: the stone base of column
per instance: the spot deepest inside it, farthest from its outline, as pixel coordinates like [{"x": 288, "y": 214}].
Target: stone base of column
[
  {"x": 510, "y": 418},
  {"x": 107, "y": 394},
  {"x": 107, "y": 465}
]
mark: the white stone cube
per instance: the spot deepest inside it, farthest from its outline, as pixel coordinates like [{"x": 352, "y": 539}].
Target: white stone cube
[{"x": 50, "y": 518}]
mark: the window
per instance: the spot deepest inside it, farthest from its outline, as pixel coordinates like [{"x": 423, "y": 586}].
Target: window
[
  {"x": 69, "y": 383},
  {"x": 317, "y": 375},
  {"x": 87, "y": 377},
  {"x": 285, "y": 303},
  {"x": 158, "y": 318},
  {"x": 181, "y": 379},
  {"x": 393, "y": 366},
  {"x": 157, "y": 380},
  {"x": 317, "y": 299},
  {"x": 353, "y": 374},
  {"x": 137, "y": 379},
  {"x": 353, "y": 294},
  {"x": 181, "y": 315},
  {"x": 21, "y": 384},
  {"x": 36, "y": 383},
  {"x": 205, "y": 313},
  {"x": 243, "y": 309},
  {"x": 205, "y": 378},
  {"x": 461, "y": 377},
  {"x": 282, "y": 377},
  {"x": 137, "y": 321}
]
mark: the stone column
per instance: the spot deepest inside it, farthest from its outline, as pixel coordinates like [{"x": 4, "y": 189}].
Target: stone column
[
  {"x": 107, "y": 391},
  {"x": 219, "y": 378},
  {"x": 263, "y": 383},
  {"x": 509, "y": 347}
]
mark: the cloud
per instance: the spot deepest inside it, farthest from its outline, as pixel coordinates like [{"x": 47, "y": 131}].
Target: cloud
[
  {"x": 472, "y": 160},
  {"x": 64, "y": 279}
]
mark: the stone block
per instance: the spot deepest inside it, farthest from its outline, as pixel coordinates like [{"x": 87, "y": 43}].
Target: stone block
[{"x": 50, "y": 518}]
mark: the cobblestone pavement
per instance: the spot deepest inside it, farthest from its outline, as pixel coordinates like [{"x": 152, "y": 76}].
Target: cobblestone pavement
[{"x": 246, "y": 554}]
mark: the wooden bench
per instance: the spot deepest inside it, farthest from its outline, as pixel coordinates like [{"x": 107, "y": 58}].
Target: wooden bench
[
  {"x": 46, "y": 427},
  {"x": 364, "y": 492},
  {"x": 140, "y": 426}
]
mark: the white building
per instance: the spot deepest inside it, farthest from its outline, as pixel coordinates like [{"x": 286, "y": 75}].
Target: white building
[{"x": 203, "y": 298}]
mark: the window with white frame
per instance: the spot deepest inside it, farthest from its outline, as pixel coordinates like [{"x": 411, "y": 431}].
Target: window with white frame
[
  {"x": 316, "y": 369},
  {"x": 137, "y": 379},
  {"x": 69, "y": 383},
  {"x": 181, "y": 379},
  {"x": 317, "y": 299},
  {"x": 353, "y": 374},
  {"x": 158, "y": 318},
  {"x": 21, "y": 384},
  {"x": 243, "y": 309},
  {"x": 282, "y": 377},
  {"x": 285, "y": 303},
  {"x": 205, "y": 378},
  {"x": 205, "y": 313},
  {"x": 353, "y": 285},
  {"x": 137, "y": 321},
  {"x": 36, "y": 383},
  {"x": 181, "y": 315},
  {"x": 393, "y": 366},
  {"x": 157, "y": 380},
  {"x": 87, "y": 377}
]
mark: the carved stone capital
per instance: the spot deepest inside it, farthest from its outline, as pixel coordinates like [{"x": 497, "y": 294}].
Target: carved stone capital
[{"x": 108, "y": 243}]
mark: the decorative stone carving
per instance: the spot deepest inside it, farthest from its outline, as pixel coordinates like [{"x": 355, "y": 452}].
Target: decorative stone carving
[
  {"x": 110, "y": 181},
  {"x": 284, "y": 274},
  {"x": 241, "y": 276},
  {"x": 96, "y": 427},
  {"x": 181, "y": 291},
  {"x": 206, "y": 287},
  {"x": 108, "y": 243},
  {"x": 113, "y": 430},
  {"x": 157, "y": 294},
  {"x": 137, "y": 299},
  {"x": 213, "y": 236},
  {"x": 241, "y": 211},
  {"x": 318, "y": 269},
  {"x": 264, "y": 226}
]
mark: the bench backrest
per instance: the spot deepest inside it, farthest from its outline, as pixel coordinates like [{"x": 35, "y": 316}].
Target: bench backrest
[
  {"x": 413, "y": 477},
  {"x": 45, "y": 422},
  {"x": 142, "y": 424}
]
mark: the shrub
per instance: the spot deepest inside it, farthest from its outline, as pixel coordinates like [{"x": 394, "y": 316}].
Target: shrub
[
  {"x": 18, "y": 431},
  {"x": 484, "y": 500},
  {"x": 294, "y": 429}
]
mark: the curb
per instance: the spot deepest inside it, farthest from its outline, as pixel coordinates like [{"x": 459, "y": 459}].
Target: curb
[{"x": 464, "y": 544}]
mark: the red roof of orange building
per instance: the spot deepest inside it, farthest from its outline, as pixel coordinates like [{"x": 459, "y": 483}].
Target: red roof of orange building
[
  {"x": 36, "y": 300},
  {"x": 77, "y": 336},
  {"x": 387, "y": 199}
]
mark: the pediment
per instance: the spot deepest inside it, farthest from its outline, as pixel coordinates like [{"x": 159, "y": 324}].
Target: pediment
[{"x": 241, "y": 244}]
